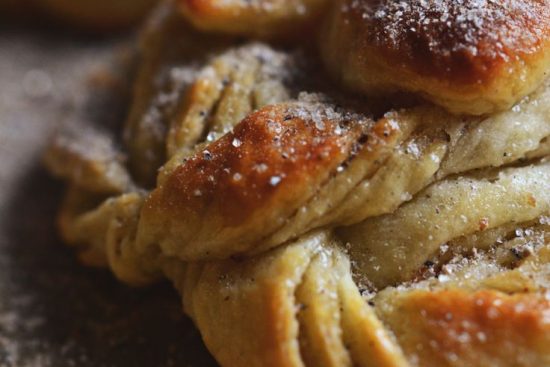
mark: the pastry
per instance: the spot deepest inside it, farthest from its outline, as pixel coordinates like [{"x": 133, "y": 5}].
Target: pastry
[
  {"x": 258, "y": 18},
  {"x": 472, "y": 57},
  {"x": 306, "y": 225}
]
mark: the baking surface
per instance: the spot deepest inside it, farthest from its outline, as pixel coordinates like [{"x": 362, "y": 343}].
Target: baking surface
[{"x": 53, "y": 311}]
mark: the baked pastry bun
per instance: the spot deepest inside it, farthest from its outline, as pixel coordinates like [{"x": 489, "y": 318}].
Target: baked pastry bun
[
  {"x": 258, "y": 18},
  {"x": 471, "y": 57},
  {"x": 302, "y": 227}
]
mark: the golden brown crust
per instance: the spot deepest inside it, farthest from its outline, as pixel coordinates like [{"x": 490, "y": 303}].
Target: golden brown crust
[
  {"x": 257, "y": 18},
  {"x": 471, "y": 57},
  {"x": 464, "y": 42},
  {"x": 253, "y": 179},
  {"x": 271, "y": 154},
  {"x": 457, "y": 327}
]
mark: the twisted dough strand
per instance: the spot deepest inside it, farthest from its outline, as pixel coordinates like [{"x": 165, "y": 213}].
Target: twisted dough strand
[{"x": 209, "y": 206}]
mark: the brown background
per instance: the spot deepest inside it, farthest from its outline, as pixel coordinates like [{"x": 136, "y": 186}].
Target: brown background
[{"x": 54, "y": 312}]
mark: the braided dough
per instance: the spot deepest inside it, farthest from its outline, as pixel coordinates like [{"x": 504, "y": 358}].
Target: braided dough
[{"x": 304, "y": 226}]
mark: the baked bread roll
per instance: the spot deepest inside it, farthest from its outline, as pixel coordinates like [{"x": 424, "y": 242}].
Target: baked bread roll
[
  {"x": 302, "y": 227},
  {"x": 471, "y": 57},
  {"x": 258, "y": 18}
]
